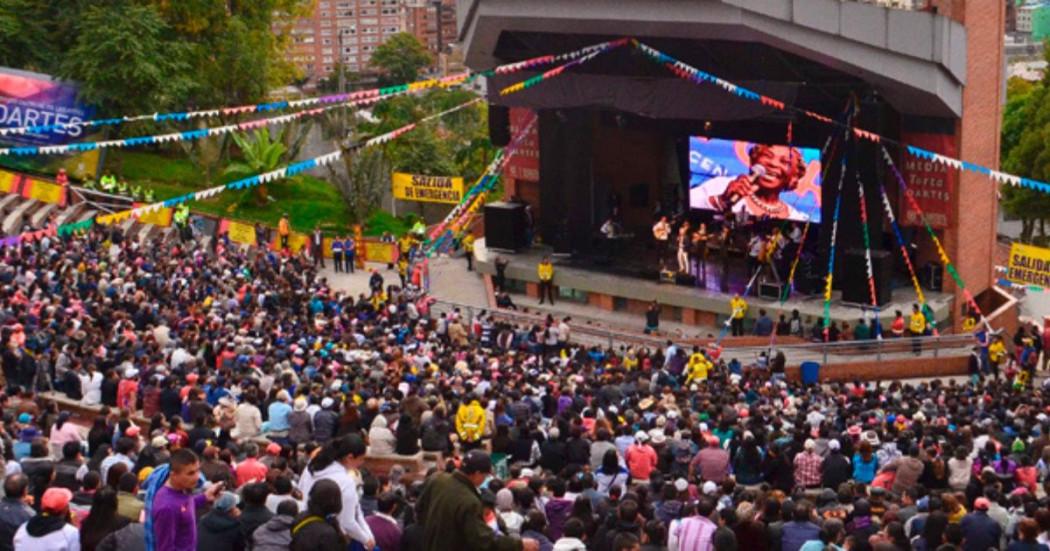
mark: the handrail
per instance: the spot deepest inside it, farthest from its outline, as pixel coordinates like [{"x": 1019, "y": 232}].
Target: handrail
[{"x": 824, "y": 353}]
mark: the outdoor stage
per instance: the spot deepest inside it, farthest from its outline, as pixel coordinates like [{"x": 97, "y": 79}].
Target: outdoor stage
[{"x": 604, "y": 286}]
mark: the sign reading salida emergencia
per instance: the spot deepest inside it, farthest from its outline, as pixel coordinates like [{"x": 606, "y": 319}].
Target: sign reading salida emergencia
[
  {"x": 1029, "y": 265},
  {"x": 429, "y": 189}
]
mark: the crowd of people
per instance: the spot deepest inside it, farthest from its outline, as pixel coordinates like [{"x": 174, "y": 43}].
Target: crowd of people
[{"x": 242, "y": 403}]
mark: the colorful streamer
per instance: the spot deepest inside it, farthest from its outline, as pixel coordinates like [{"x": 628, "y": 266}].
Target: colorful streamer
[
  {"x": 530, "y": 82},
  {"x": 933, "y": 235},
  {"x": 450, "y": 80},
  {"x": 865, "y": 233},
  {"x": 284, "y": 172},
  {"x": 690, "y": 73},
  {"x": 829, "y": 279},
  {"x": 888, "y": 207}
]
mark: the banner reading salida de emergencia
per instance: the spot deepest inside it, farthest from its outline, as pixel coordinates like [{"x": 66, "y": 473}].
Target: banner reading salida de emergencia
[
  {"x": 429, "y": 189},
  {"x": 1029, "y": 265}
]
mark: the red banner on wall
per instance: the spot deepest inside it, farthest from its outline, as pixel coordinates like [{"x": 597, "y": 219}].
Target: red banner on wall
[
  {"x": 525, "y": 164},
  {"x": 932, "y": 184}
]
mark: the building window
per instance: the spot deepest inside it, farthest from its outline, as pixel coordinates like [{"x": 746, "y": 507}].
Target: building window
[
  {"x": 326, "y": 51},
  {"x": 324, "y": 14},
  {"x": 326, "y": 22},
  {"x": 326, "y": 32},
  {"x": 369, "y": 39},
  {"x": 328, "y": 59},
  {"x": 390, "y": 30},
  {"x": 350, "y": 50},
  {"x": 369, "y": 21},
  {"x": 369, "y": 30},
  {"x": 323, "y": 5}
]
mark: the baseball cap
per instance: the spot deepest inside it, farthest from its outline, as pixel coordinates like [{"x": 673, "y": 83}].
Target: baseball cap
[
  {"x": 834, "y": 445},
  {"x": 226, "y": 502},
  {"x": 477, "y": 461},
  {"x": 25, "y": 418},
  {"x": 159, "y": 441},
  {"x": 641, "y": 436},
  {"x": 56, "y": 500},
  {"x": 981, "y": 504},
  {"x": 681, "y": 485},
  {"x": 710, "y": 488},
  {"x": 273, "y": 448}
]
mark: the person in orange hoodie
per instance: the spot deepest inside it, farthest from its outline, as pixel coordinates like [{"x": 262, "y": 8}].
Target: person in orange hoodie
[{"x": 284, "y": 229}]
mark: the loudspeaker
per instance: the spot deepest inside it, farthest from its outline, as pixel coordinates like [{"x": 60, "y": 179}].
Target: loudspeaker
[
  {"x": 770, "y": 290},
  {"x": 499, "y": 125},
  {"x": 855, "y": 277},
  {"x": 933, "y": 277},
  {"x": 505, "y": 226}
]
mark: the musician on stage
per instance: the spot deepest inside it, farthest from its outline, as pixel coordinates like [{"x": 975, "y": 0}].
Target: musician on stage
[
  {"x": 683, "y": 248},
  {"x": 662, "y": 233},
  {"x": 698, "y": 252}
]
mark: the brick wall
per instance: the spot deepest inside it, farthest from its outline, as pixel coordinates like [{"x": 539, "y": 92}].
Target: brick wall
[
  {"x": 971, "y": 241},
  {"x": 887, "y": 369}
]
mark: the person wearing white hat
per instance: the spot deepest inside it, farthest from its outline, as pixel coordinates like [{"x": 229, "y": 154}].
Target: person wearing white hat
[
  {"x": 807, "y": 466},
  {"x": 641, "y": 457}
]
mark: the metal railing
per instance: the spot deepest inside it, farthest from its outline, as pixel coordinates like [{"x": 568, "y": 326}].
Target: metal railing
[{"x": 943, "y": 346}]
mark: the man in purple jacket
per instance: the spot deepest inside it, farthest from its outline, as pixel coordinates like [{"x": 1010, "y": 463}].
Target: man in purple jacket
[
  {"x": 383, "y": 524},
  {"x": 175, "y": 506}
]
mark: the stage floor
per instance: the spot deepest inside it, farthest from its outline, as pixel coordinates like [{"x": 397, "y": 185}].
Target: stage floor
[{"x": 587, "y": 276}]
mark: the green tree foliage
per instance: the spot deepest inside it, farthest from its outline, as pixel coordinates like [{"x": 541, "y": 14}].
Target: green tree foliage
[
  {"x": 22, "y": 23},
  {"x": 1026, "y": 152},
  {"x": 362, "y": 178},
  {"x": 127, "y": 60},
  {"x": 400, "y": 58}
]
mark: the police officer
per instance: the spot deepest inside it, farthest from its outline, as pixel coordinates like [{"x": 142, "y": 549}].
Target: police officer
[
  {"x": 349, "y": 251},
  {"x": 337, "y": 254}
]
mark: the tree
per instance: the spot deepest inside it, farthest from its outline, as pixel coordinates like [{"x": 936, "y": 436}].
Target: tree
[
  {"x": 362, "y": 178},
  {"x": 1026, "y": 152},
  {"x": 126, "y": 60},
  {"x": 400, "y": 58},
  {"x": 261, "y": 153},
  {"x": 22, "y": 25}
]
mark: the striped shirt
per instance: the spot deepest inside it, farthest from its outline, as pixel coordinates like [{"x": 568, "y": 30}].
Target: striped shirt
[{"x": 695, "y": 533}]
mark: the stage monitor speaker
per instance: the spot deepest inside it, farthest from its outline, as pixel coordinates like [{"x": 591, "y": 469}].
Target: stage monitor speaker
[
  {"x": 499, "y": 125},
  {"x": 933, "y": 277},
  {"x": 505, "y": 226},
  {"x": 855, "y": 277},
  {"x": 770, "y": 290}
]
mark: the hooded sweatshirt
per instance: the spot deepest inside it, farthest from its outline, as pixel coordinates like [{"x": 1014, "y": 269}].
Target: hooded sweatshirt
[
  {"x": 558, "y": 511},
  {"x": 351, "y": 518},
  {"x": 47, "y": 533},
  {"x": 275, "y": 535}
]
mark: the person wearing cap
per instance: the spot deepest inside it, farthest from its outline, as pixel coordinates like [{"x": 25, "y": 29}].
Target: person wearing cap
[
  {"x": 326, "y": 421},
  {"x": 128, "y": 389},
  {"x": 51, "y": 529},
  {"x": 980, "y": 531},
  {"x": 641, "y": 457},
  {"x": 836, "y": 468},
  {"x": 450, "y": 511},
  {"x": 808, "y": 466},
  {"x": 220, "y": 528}
]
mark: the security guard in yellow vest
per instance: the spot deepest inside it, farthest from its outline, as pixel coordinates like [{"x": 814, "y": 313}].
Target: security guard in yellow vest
[
  {"x": 468, "y": 250},
  {"x": 917, "y": 328},
  {"x": 545, "y": 271}
]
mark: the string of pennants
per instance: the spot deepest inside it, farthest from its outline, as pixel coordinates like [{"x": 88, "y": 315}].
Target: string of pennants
[
  {"x": 244, "y": 183},
  {"x": 178, "y": 116},
  {"x": 454, "y": 222},
  {"x": 1007, "y": 284},
  {"x": 201, "y": 133}
]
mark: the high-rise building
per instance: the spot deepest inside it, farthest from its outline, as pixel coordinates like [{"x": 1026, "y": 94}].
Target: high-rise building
[{"x": 348, "y": 31}]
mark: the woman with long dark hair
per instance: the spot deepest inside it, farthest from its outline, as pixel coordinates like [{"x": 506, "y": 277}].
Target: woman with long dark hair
[
  {"x": 102, "y": 521},
  {"x": 332, "y": 463},
  {"x": 747, "y": 463},
  {"x": 611, "y": 474}
]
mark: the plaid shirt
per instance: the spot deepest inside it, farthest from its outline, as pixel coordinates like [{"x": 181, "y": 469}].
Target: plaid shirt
[{"x": 807, "y": 469}]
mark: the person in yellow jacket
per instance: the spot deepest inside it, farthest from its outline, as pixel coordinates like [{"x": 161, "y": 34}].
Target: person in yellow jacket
[
  {"x": 470, "y": 423},
  {"x": 917, "y": 328},
  {"x": 284, "y": 229},
  {"x": 996, "y": 355},
  {"x": 737, "y": 312},
  {"x": 545, "y": 271},
  {"x": 698, "y": 367},
  {"x": 468, "y": 250}
]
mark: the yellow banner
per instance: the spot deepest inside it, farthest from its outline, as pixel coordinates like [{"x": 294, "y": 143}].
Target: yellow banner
[
  {"x": 43, "y": 191},
  {"x": 8, "y": 181},
  {"x": 1029, "y": 265},
  {"x": 161, "y": 217},
  {"x": 377, "y": 251},
  {"x": 296, "y": 241},
  {"x": 428, "y": 189},
  {"x": 240, "y": 232}
]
